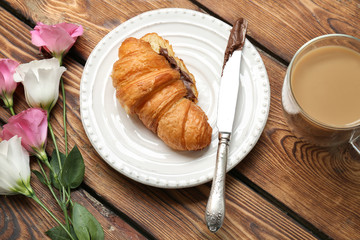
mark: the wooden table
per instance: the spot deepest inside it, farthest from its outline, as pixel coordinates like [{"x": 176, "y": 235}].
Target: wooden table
[{"x": 283, "y": 189}]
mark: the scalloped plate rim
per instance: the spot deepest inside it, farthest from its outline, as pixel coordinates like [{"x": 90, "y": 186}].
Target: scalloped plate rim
[{"x": 131, "y": 171}]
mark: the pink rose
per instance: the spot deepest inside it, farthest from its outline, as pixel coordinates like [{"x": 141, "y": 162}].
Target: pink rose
[
  {"x": 56, "y": 39},
  {"x": 7, "y": 83},
  {"x": 31, "y": 125}
]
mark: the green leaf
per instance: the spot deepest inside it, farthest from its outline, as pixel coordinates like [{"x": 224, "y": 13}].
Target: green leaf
[
  {"x": 55, "y": 165},
  {"x": 39, "y": 176},
  {"x": 85, "y": 224},
  {"x": 58, "y": 233},
  {"x": 73, "y": 169}
]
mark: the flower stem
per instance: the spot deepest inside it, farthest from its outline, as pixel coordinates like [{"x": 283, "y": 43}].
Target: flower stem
[
  {"x": 66, "y": 215},
  {"x": 64, "y": 115},
  {"x": 41, "y": 154},
  {"x": 48, "y": 183},
  {"x": 63, "y": 204},
  {"x": 45, "y": 160},
  {"x": 69, "y": 201},
  {"x": 37, "y": 200},
  {"x": 62, "y": 190},
  {"x": 8, "y": 100},
  {"x": 55, "y": 145},
  {"x": 65, "y": 193},
  {"x": 60, "y": 59},
  {"x": 12, "y": 111},
  {"x": 66, "y": 146}
]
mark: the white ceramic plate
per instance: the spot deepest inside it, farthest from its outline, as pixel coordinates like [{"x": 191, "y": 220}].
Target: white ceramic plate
[{"x": 126, "y": 145}]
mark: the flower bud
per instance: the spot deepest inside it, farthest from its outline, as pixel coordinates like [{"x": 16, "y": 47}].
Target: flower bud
[
  {"x": 7, "y": 83},
  {"x": 56, "y": 39},
  {"x": 15, "y": 168},
  {"x": 41, "y": 79},
  {"x": 31, "y": 125}
]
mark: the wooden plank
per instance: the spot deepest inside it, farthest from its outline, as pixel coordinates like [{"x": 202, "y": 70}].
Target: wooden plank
[
  {"x": 97, "y": 17},
  {"x": 163, "y": 213},
  {"x": 20, "y": 218},
  {"x": 281, "y": 164},
  {"x": 283, "y": 26},
  {"x": 322, "y": 185}
]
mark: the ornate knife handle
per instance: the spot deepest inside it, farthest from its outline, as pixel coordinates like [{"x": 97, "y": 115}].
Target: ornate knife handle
[{"x": 215, "y": 208}]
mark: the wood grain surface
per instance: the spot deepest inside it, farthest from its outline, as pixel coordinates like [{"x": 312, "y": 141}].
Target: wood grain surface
[
  {"x": 20, "y": 217},
  {"x": 283, "y": 26},
  {"x": 321, "y": 185},
  {"x": 284, "y": 189}
]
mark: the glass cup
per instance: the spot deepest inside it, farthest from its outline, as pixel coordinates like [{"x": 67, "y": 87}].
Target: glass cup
[{"x": 302, "y": 124}]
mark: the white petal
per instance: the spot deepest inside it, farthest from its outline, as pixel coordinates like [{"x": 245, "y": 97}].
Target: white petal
[
  {"x": 7, "y": 181},
  {"x": 16, "y": 151},
  {"x": 14, "y": 165},
  {"x": 41, "y": 82},
  {"x": 30, "y": 101},
  {"x": 52, "y": 63},
  {"x": 3, "y": 149},
  {"x": 18, "y": 76}
]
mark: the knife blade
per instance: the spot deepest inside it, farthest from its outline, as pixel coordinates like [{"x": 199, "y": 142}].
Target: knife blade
[{"x": 228, "y": 94}]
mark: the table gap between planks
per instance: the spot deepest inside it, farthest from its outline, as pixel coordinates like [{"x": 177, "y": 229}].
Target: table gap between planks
[{"x": 284, "y": 189}]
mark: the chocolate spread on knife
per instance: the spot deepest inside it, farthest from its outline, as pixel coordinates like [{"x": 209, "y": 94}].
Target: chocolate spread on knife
[
  {"x": 184, "y": 76},
  {"x": 236, "y": 39}
]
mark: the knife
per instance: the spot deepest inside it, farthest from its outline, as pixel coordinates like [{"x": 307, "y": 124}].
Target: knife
[{"x": 229, "y": 85}]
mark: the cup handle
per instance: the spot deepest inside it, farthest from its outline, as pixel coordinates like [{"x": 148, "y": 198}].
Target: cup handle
[{"x": 355, "y": 141}]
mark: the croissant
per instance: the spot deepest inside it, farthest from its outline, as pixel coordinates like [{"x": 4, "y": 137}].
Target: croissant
[{"x": 156, "y": 86}]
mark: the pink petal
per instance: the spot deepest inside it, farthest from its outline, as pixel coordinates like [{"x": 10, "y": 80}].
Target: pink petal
[
  {"x": 73, "y": 29},
  {"x": 7, "y": 70},
  {"x": 36, "y": 38},
  {"x": 2, "y": 83},
  {"x": 55, "y": 39},
  {"x": 35, "y": 35},
  {"x": 31, "y": 125}
]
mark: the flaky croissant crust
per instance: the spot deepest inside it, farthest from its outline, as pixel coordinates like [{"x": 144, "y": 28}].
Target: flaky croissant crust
[{"x": 149, "y": 86}]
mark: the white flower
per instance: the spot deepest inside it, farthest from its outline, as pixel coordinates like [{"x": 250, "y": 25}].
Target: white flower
[
  {"x": 15, "y": 168},
  {"x": 41, "y": 80}
]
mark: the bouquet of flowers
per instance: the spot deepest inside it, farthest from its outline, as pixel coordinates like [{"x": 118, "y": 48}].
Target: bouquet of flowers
[{"x": 25, "y": 133}]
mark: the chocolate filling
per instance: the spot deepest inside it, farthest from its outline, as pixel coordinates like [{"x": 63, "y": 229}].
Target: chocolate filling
[
  {"x": 236, "y": 39},
  {"x": 184, "y": 76}
]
